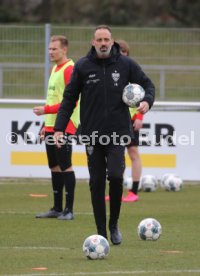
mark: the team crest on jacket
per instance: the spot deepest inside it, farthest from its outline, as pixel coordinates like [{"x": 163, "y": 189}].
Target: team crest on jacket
[
  {"x": 115, "y": 77},
  {"x": 90, "y": 150}
]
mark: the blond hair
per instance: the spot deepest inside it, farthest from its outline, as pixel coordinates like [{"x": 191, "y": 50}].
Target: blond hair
[{"x": 63, "y": 40}]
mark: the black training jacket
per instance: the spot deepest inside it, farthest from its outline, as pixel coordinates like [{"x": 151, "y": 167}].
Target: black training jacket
[{"x": 100, "y": 84}]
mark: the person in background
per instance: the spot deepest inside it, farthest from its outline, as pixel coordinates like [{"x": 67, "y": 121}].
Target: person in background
[
  {"x": 99, "y": 78},
  {"x": 132, "y": 148},
  {"x": 59, "y": 160}
]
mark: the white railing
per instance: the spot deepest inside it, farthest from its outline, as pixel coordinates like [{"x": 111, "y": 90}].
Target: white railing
[
  {"x": 21, "y": 101},
  {"x": 158, "y": 105},
  {"x": 167, "y": 105}
]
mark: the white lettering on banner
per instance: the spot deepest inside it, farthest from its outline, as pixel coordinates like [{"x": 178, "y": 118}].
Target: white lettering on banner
[
  {"x": 168, "y": 145},
  {"x": 29, "y": 138},
  {"x": 164, "y": 135},
  {"x": 169, "y": 140},
  {"x": 161, "y": 132}
]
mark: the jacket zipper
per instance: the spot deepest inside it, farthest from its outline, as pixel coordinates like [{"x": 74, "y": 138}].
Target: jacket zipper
[{"x": 105, "y": 91}]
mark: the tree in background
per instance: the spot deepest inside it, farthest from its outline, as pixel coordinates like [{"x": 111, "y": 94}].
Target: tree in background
[
  {"x": 187, "y": 13},
  {"x": 152, "y": 13},
  {"x": 17, "y": 10}
]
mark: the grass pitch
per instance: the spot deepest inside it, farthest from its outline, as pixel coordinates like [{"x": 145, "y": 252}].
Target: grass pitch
[{"x": 30, "y": 246}]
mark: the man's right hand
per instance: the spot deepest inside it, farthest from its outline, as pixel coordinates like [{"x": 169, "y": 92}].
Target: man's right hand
[
  {"x": 42, "y": 134},
  {"x": 38, "y": 110},
  {"x": 59, "y": 138}
]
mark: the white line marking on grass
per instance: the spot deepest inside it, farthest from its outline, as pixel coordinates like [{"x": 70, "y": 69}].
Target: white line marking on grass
[
  {"x": 15, "y": 213},
  {"x": 31, "y": 213},
  {"x": 34, "y": 248},
  {"x": 110, "y": 273},
  {"x": 23, "y": 182}
]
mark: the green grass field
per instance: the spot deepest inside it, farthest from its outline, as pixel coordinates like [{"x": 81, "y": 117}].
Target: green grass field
[{"x": 27, "y": 243}]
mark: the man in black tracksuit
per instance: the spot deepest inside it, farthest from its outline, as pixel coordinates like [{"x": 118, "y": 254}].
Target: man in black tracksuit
[{"x": 100, "y": 78}]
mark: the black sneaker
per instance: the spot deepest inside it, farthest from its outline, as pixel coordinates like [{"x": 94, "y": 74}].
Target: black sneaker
[
  {"x": 115, "y": 235},
  {"x": 52, "y": 213},
  {"x": 66, "y": 215}
]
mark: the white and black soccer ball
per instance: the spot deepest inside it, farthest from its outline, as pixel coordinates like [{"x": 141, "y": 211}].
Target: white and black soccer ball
[
  {"x": 140, "y": 184},
  {"x": 133, "y": 93},
  {"x": 149, "y": 183},
  {"x": 163, "y": 179},
  {"x": 171, "y": 183},
  {"x": 128, "y": 183},
  {"x": 96, "y": 247},
  {"x": 149, "y": 229}
]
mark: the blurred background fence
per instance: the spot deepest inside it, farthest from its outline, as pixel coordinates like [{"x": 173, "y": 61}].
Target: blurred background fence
[{"x": 171, "y": 57}]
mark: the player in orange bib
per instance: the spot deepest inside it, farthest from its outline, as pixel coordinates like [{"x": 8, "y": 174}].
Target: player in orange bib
[
  {"x": 132, "y": 148},
  {"x": 59, "y": 160},
  {"x": 136, "y": 164}
]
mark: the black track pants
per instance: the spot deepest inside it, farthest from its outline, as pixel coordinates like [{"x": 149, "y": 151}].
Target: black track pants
[{"x": 105, "y": 161}]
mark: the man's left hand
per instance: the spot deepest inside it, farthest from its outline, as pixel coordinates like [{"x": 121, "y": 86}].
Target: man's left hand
[{"x": 143, "y": 107}]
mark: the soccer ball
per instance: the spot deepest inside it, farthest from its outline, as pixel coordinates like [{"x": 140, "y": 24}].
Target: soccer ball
[
  {"x": 149, "y": 183},
  {"x": 132, "y": 94},
  {"x": 140, "y": 185},
  {"x": 128, "y": 183},
  {"x": 96, "y": 247},
  {"x": 149, "y": 229},
  {"x": 171, "y": 182},
  {"x": 163, "y": 179}
]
